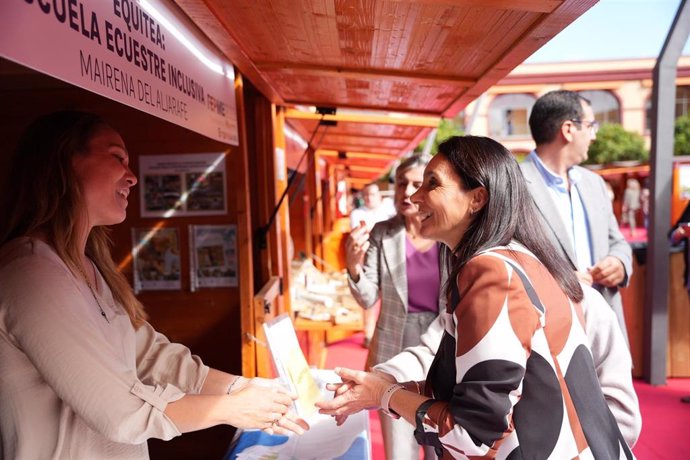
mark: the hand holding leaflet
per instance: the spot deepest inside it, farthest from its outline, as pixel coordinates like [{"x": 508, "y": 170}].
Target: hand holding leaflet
[{"x": 291, "y": 365}]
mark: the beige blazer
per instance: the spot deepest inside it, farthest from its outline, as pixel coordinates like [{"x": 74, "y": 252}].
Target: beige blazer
[{"x": 605, "y": 236}]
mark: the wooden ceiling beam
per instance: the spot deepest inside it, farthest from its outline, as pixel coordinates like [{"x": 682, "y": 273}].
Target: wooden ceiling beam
[
  {"x": 330, "y": 144},
  {"x": 379, "y": 168},
  {"x": 547, "y": 26},
  {"x": 361, "y": 181},
  {"x": 426, "y": 122},
  {"x": 364, "y": 169},
  {"x": 378, "y": 108},
  {"x": 535, "y": 6},
  {"x": 206, "y": 15},
  {"x": 373, "y": 163},
  {"x": 313, "y": 70},
  {"x": 333, "y": 133},
  {"x": 423, "y": 133},
  {"x": 377, "y": 156}
]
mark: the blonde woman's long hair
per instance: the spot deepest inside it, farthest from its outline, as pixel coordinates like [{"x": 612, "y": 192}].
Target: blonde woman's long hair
[{"x": 44, "y": 197}]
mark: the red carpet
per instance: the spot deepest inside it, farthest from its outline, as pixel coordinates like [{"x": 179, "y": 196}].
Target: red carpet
[
  {"x": 665, "y": 420},
  {"x": 640, "y": 235}
]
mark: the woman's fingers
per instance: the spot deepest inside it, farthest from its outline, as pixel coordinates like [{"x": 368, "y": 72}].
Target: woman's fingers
[
  {"x": 350, "y": 374},
  {"x": 359, "y": 232},
  {"x": 281, "y": 389},
  {"x": 344, "y": 388},
  {"x": 290, "y": 424},
  {"x": 340, "y": 419},
  {"x": 340, "y": 388},
  {"x": 287, "y": 424},
  {"x": 344, "y": 404},
  {"x": 277, "y": 410},
  {"x": 275, "y": 385},
  {"x": 292, "y": 418},
  {"x": 283, "y": 396},
  {"x": 357, "y": 240}
]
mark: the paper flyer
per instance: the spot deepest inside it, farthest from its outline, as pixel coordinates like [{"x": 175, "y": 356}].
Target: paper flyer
[{"x": 291, "y": 364}]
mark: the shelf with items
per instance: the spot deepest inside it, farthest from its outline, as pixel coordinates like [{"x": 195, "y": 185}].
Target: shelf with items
[
  {"x": 323, "y": 309},
  {"x": 319, "y": 296}
]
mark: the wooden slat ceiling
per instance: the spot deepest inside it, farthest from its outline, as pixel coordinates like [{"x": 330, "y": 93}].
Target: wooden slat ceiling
[{"x": 424, "y": 57}]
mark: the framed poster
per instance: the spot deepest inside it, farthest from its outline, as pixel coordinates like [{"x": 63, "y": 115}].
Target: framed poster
[
  {"x": 213, "y": 255},
  {"x": 156, "y": 256},
  {"x": 182, "y": 185}
]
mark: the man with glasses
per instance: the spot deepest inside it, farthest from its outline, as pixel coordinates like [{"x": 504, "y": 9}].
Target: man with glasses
[{"x": 572, "y": 200}]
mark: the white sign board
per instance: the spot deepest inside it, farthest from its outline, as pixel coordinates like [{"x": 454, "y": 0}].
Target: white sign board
[{"x": 138, "y": 53}]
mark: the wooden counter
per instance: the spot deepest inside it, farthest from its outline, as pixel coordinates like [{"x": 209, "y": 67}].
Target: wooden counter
[
  {"x": 312, "y": 335},
  {"x": 678, "y": 351}
]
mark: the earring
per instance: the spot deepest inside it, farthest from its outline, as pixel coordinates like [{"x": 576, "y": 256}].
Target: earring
[{"x": 471, "y": 212}]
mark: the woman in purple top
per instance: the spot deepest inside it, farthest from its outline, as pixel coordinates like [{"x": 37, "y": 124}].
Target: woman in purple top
[{"x": 395, "y": 264}]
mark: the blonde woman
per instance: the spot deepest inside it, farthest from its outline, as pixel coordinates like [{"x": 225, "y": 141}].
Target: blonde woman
[{"x": 84, "y": 375}]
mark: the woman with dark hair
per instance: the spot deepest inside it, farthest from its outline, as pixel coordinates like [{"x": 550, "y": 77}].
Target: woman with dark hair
[
  {"x": 513, "y": 376},
  {"x": 84, "y": 375}
]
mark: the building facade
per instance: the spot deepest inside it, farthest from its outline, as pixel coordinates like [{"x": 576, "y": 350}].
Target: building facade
[{"x": 620, "y": 92}]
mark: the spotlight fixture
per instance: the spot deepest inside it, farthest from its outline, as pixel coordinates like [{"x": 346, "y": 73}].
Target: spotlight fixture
[{"x": 326, "y": 111}]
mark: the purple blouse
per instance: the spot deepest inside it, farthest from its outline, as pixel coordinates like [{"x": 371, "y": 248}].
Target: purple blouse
[{"x": 423, "y": 278}]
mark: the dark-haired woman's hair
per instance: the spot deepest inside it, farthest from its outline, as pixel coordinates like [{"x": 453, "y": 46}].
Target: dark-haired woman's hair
[
  {"x": 44, "y": 197},
  {"x": 509, "y": 213}
]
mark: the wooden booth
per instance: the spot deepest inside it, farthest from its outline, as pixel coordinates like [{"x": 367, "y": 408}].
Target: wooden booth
[
  {"x": 678, "y": 347},
  {"x": 247, "y": 122}
]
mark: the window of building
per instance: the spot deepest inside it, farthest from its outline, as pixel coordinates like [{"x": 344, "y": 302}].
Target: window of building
[
  {"x": 682, "y": 101},
  {"x": 605, "y": 105},
  {"x": 682, "y": 106},
  {"x": 509, "y": 115}
]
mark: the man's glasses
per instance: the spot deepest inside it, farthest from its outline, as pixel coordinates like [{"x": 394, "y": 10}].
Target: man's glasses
[{"x": 593, "y": 125}]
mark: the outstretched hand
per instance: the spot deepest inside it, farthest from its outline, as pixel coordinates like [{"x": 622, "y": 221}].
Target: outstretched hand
[
  {"x": 265, "y": 404},
  {"x": 358, "y": 391}
]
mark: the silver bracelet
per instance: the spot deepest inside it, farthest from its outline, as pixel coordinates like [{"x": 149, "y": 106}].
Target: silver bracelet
[
  {"x": 234, "y": 382},
  {"x": 386, "y": 399}
]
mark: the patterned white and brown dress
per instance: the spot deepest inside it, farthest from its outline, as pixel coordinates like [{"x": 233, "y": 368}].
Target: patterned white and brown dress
[{"x": 513, "y": 377}]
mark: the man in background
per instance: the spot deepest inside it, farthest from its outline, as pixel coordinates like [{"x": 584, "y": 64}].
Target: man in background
[
  {"x": 375, "y": 208},
  {"x": 572, "y": 200}
]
